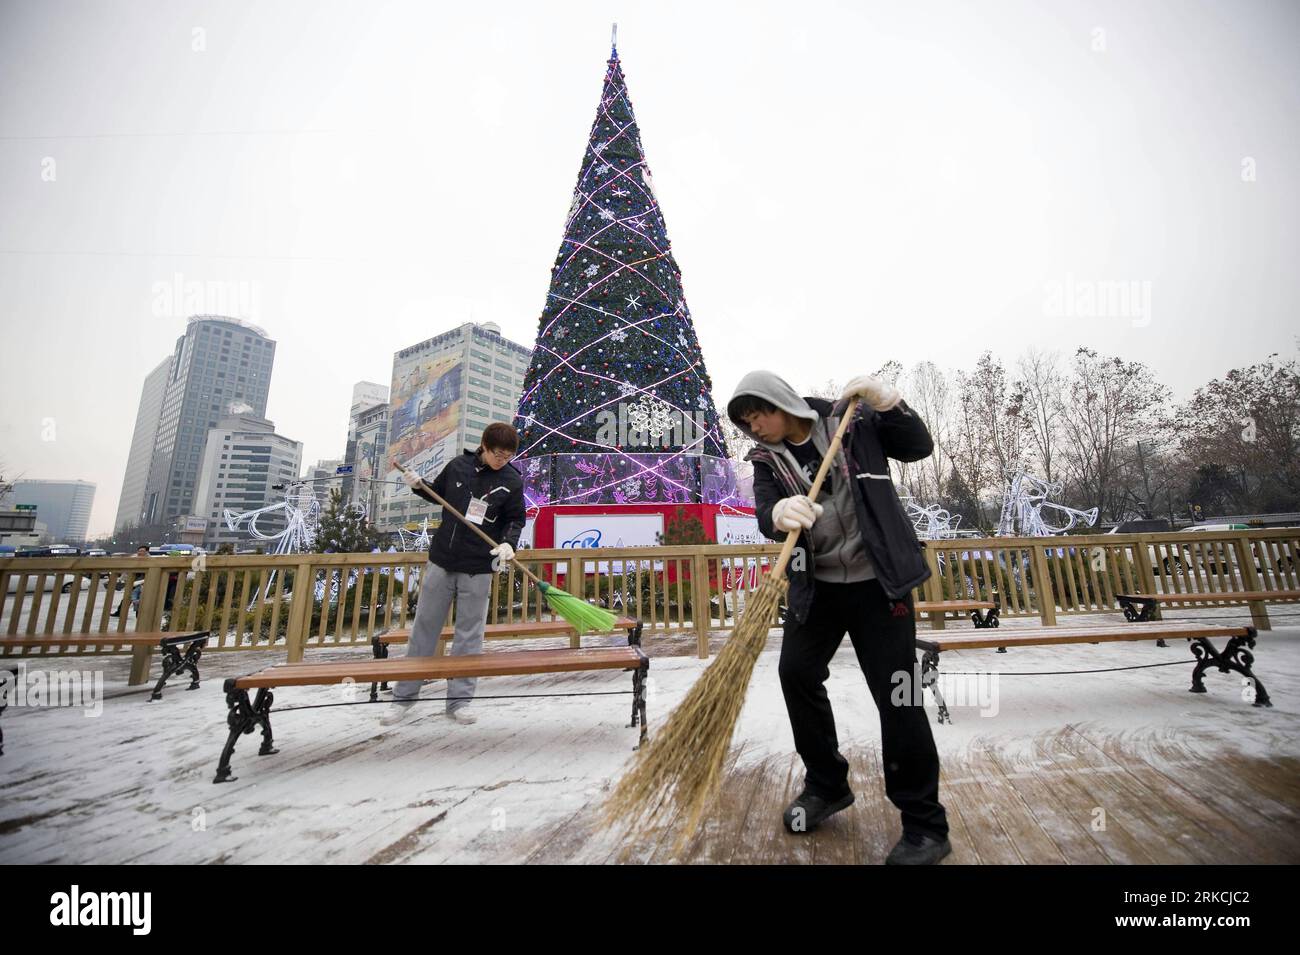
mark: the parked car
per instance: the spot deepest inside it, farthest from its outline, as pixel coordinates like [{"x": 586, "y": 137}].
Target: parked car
[
  {"x": 1170, "y": 563},
  {"x": 1282, "y": 561}
]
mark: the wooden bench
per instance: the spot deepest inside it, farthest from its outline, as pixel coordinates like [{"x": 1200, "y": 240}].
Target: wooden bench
[
  {"x": 1142, "y": 607},
  {"x": 142, "y": 646},
  {"x": 245, "y": 716},
  {"x": 1235, "y": 655},
  {"x": 500, "y": 631},
  {"x": 983, "y": 613}
]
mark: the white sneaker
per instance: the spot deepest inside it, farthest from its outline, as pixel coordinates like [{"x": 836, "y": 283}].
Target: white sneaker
[
  {"x": 398, "y": 713},
  {"x": 463, "y": 715}
]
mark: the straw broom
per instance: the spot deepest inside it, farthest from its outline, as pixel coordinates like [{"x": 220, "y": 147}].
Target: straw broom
[
  {"x": 676, "y": 774},
  {"x": 585, "y": 617}
]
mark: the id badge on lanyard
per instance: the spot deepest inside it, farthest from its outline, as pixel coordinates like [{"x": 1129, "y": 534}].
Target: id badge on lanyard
[{"x": 477, "y": 510}]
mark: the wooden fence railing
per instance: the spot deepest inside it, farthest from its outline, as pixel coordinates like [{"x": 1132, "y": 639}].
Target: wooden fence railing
[{"x": 301, "y": 601}]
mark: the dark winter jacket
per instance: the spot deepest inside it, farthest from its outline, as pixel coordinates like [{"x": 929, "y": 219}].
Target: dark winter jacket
[
  {"x": 455, "y": 547},
  {"x": 895, "y": 554}
]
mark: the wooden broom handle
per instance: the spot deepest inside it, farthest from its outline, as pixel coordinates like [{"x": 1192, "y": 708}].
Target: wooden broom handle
[
  {"x": 791, "y": 538},
  {"x": 464, "y": 520}
]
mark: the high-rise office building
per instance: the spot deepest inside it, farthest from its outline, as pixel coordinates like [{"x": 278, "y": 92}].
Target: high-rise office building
[
  {"x": 62, "y": 506},
  {"x": 243, "y": 458},
  {"x": 130, "y": 505},
  {"x": 366, "y": 394},
  {"x": 367, "y": 453},
  {"x": 220, "y": 366},
  {"x": 445, "y": 391},
  {"x": 356, "y": 487},
  {"x": 322, "y": 478}
]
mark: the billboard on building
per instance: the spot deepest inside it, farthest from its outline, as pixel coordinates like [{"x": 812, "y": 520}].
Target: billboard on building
[{"x": 425, "y": 417}]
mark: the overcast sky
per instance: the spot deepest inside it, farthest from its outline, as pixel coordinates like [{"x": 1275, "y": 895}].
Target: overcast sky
[{"x": 843, "y": 184}]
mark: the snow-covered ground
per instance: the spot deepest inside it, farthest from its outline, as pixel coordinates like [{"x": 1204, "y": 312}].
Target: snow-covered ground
[{"x": 135, "y": 782}]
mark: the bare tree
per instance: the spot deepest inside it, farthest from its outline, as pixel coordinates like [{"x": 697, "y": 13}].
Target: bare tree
[
  {"x": 996, "y": 412},
  {"x": 1247, "y": 425},
  {"x": 1041, "y": 383},
  {"x": 1109, "y": 405},
  {"x": 929, "y": 393}
]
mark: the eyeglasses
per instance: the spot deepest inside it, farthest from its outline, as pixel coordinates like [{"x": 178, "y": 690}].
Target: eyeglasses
[{"x": 502, "y": 456}]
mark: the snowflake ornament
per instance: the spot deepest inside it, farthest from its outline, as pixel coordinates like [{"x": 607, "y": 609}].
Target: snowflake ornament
[{"x": 650, "y": 414}]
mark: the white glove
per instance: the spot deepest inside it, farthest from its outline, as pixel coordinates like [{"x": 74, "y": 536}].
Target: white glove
[
  {"x": 411, "y": 478},
  {"x": 792, "y": 513},
  {"x": 879, "y": 394},
  {"x": 505, "y": 552}
]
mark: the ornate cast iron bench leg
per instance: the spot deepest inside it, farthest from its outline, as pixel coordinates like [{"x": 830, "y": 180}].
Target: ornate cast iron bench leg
[
  {"x": 245, "y": 717},
  {"x": 7, "y": 686},
  {"x": 930, "y": 678},
  {"x": 173, "y": 663},
  {"x": 1144, "y": 610},
  {"x": 381, "y": 652},
  {"x": 639, "y": 676},
  {"x": 1235, "y": 656}
]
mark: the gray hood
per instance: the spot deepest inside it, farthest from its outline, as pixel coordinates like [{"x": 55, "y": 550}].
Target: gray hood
[
  {"x": 769, "y": 386},
  {"x": 839, "y": 553}
]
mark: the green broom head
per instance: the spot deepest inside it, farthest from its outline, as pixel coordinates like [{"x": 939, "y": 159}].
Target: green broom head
[{"x": 585, "y": 617}]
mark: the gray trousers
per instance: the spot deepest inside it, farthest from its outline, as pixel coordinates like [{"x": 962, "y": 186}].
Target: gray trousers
[{"x": 437, "y": 590}]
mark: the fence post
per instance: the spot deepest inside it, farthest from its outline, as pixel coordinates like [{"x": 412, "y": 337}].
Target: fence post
[
  {"x": 1246, "y": 561},
  {"x": 702, "y": 617},
  {"x": 148, "y": 619},
  {"x": 304, "y": 593},
  {"x": 1043, "y": 591},
  {"x": 576, "y": 584},
  {"x": 1143, "y": 554},
  {"x": 934, "y": 588}
]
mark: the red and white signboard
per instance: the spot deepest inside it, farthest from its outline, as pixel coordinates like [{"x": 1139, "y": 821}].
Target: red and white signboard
[{"x": 583, "y": 531}]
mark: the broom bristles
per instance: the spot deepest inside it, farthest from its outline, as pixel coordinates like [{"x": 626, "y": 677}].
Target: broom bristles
[
  {"x": 675, "y": 777},
  {"x": 584, "y": 616}
]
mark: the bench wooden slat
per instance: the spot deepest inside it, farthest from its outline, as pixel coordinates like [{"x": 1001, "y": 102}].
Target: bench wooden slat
[
  {"x": 495, "y": 631},
  {"x": 1205, "y": 597},
  {"x": 95, "y": 639},
  {"x": 517, "y": 663},
  {"x": 1046, "y": 636},
  {"x": 931, "y": 605},
  {"x": 1234, "y": 656}
]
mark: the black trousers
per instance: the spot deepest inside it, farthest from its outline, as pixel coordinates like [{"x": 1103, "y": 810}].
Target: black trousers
[{"x": 883, "y": 632}]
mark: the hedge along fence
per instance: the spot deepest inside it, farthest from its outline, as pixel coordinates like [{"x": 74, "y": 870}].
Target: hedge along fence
[{"x": 254, "y": 601}]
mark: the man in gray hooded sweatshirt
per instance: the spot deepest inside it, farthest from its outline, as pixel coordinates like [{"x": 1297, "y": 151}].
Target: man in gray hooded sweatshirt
[{"x": 853, "y": 572}]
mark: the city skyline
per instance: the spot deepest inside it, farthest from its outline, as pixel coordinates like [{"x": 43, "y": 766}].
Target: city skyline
[{"x": 944, "y": 180}]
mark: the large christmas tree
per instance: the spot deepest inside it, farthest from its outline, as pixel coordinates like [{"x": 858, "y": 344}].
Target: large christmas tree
[{"x": 617, "y": 405}]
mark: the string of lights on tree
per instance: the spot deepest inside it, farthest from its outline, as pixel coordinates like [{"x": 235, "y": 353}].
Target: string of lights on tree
[{"x": 616, "y": 336}]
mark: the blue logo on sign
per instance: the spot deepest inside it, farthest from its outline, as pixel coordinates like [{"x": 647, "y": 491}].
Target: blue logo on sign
[{"x": 588, "y": 538}]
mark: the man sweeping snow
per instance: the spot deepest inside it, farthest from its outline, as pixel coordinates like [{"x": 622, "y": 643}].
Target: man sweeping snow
[
  {"x": 489, "y": 491},
  {"x": 853, "y": 572}
]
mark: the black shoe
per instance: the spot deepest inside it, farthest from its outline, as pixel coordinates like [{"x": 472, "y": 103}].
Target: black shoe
[
  {"x": 810, "y": 810},
  {"x": 116, "y": 612},
  {"x": 914, "y": 849}
]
